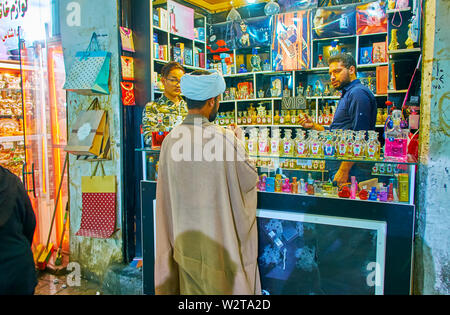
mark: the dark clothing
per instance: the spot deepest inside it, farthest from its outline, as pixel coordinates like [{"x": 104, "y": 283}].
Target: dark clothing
[
  {"x": 17, "y": 225},
  {"x": 357, "y": 108}
]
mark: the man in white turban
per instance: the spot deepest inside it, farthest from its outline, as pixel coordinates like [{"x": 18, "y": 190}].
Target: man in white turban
[{"x": 206, "y": 231}]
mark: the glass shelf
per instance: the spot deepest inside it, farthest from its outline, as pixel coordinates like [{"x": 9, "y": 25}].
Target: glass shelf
[{"x": 410, "y": 161}]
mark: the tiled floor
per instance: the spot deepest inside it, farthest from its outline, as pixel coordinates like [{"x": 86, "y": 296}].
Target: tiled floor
[{"x": 57, "y": 285}]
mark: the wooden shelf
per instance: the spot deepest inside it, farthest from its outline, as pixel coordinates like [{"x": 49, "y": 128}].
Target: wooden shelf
[
  {"x": 404, "y": 51},
  {"x": 372, "y": 65}
]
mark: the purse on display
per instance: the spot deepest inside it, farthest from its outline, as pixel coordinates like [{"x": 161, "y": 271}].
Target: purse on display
[
  {"x": 89, "y": 74},
  {"x": 126, "y": 36},
  {"x": 90, "y": 133},
  {"x": 127, "y": 68},
  {"x": 128, "y": 93},
  {"x": 98, "y": 194}
]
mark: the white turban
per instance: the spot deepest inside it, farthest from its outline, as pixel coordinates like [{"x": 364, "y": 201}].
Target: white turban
[{"x": 202, "y": 87}]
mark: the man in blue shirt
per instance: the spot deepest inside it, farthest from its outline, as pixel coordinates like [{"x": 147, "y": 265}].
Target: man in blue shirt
[{"x": 357, "y": 108}]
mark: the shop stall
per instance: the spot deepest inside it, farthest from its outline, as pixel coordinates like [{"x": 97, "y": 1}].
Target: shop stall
[
  {"x": 33, "y": 118},
  {"x": 315, "y": 236}
]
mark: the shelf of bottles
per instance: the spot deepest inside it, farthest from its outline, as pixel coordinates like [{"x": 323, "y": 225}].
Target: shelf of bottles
[{"x": 287, "y": 164}]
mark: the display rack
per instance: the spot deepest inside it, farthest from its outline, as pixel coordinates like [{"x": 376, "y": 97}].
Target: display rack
[{"x": 164, "y": 42}]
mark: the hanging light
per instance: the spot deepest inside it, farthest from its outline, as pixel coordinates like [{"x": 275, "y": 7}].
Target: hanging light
[
  {"x": 272, "y": 8},
  {"x": 233, "y": 15}
]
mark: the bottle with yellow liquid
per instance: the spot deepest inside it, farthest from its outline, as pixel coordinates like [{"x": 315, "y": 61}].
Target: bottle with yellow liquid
[
  {"x": 276, "y": 118},
  {"x": 341, "y": 145},
  {"x": 263, "y": 142},
  {"x": 287, "y": 118},
  {"x": 315, "y": 145},
  {"x": 288, "y": 144},
  {"x": 252, "y": 142},
  {"x": 282, "y": 118},
  {"x": 301, "y": 144},
  {"x": 373, "y": 146},
  {"x": 350, "y": 141},
  {"x": 275, "y": 143},
  {"x": 359, "y": 146}
]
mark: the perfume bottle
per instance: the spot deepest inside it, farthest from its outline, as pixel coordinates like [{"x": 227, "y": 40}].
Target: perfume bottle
[
  {"x": 239, "y": 118},
  {"x": 278, "y": 183},
  {"x": 287, "y": 117},
  {"x": 275, "y": 142},
  {"x": 310, "y": 185},
  {"x": 341, "y": 145},
  {"x": 373, "y": 146},
  {"x": 334, "y": 50},
  {"x": 286, "y": 187},
  {"x": 263, "y": 142},
  {"x": 353, "y": 188},
  {"x": 294, "y": 118},
  {"x": 315, "y": 146},
  {"x": 395, "y": 147},
  {"x": 252, "y": 142},
  {"x": 329, "y": 149},
  {"x": 349, "y": 141},
  {"x": 373, "y": 194},
  {"x": 359, "y": 146},
  {"x": 282, "y": 118},
  {"x": 320, "y": 63},
  {"x": 294, "y": 185},
  {"x": 301, "y": 145},
  {"x": 288, "y": 146},
  {"x": 276, "y": 118}
]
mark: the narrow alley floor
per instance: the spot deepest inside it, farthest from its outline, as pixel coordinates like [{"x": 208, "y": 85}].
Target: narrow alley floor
[{"x": 49, "y": 284}]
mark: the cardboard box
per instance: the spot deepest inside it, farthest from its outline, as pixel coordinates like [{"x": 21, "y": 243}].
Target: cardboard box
[{"x": 382, "y": 79}]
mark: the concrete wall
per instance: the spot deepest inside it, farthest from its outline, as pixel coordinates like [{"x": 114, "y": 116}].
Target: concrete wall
[
  {"x": 432, "y": 244},
  {"x": 79, "y": 19}
]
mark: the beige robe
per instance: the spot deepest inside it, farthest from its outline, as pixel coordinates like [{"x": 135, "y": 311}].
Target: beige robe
[{"x": 206, "y": 231}]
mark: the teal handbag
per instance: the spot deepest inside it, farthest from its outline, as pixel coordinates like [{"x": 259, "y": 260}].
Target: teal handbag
[{"x": 89, "y": 74}]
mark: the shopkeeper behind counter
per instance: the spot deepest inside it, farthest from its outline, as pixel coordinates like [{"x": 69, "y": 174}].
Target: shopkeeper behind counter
[
  {"x": 170, "y": 109},
  {"x": 357, "y": 110}
]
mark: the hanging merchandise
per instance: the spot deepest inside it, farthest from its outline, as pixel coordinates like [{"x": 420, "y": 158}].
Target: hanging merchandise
[
  {"x": 126, "y": 36},
  {"x": 128, "y": 98},
  {"x": 89, "y": 74},
  {"x": 333, "y": 22},
  {"x": 290, "y": 49},
  {"x": 271, "y": 8},
  {"x": 233, "y": 15},
  {"x": 98, "y": 216},
  {"x": 90, "y": 133},
  {"x": 127, "y": 68}
]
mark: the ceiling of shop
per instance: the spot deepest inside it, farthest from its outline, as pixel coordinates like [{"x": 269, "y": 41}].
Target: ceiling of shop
[{"x": 221, "y": 5}]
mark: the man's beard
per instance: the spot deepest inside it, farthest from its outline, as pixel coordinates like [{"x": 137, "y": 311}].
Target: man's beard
[{"x": 213, "y": 114}]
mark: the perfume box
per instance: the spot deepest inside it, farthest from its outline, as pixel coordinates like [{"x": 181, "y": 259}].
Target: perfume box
[
  {"x": 188, "y": 57},
  {"x": 163, "y": 19},
  {"x": 177, "y": 55}
]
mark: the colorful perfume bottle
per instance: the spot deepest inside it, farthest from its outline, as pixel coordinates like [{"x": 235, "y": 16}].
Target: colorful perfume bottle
[
  {"x": 353, "y": 188},
  {"x": 288, "y": 145},
  {"x": 275, "y": 142},
  {"x": 395, "y": 148},
  {"x": 301, "y": 144}
]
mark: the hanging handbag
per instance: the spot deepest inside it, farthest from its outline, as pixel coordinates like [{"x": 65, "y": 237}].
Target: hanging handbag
[
  {"x": 89, "y": 74},
  {"x": 127, "y": 93},
  {"x": 98, "y": 216},
  {"x": 90, "y": 133},
  {"x": 127, "y": 68},
  {"x": 126, "y": 36}
]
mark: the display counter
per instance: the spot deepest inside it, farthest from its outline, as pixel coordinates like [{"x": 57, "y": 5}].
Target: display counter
[{"x": 313, "y": 237}]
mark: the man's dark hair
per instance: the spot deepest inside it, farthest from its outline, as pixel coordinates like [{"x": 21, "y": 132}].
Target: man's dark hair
[
  {"x": 169, "y": 67},
  {"x": 193, "y": 104},
  {"x": 346, "y": 59}
]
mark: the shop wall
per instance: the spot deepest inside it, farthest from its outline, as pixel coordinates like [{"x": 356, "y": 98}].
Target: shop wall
[
  {"x": 432, "y": 243},
  {"x": 79, "y": 19}
]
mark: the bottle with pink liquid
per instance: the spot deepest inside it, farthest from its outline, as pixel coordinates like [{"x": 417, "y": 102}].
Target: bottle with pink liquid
[{"x": 396, "y": 144}]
